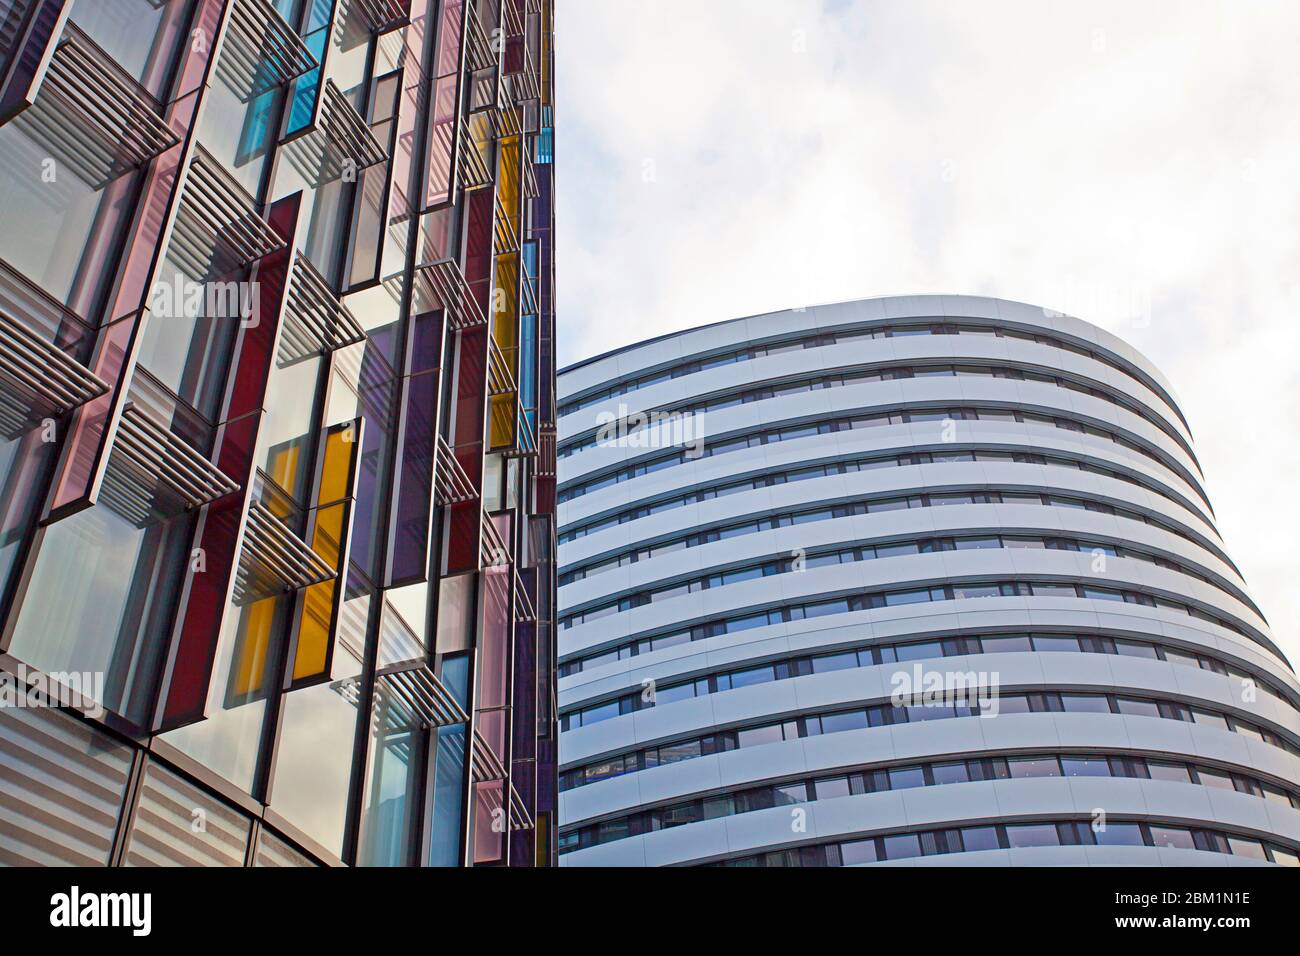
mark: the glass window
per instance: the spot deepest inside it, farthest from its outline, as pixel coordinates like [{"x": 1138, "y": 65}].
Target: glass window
[
  {"x": 834, "y": 662},
  {"x": 1032, "y": 834},
  {"x": 1174, "y": 772},
  {"x": 1215, "y": 779},
  {"x": 1033, "y": 767},
  {"x": 980, "y": 838},
  {"x": 1048, "y": 642},
  {"x": 902, "y": 846},
  {"x": 859, "y": 851},
  {"x": 953, "y": 772},
  {"x": 755, "y": 736},
  {"x": 1138, "y": 708},
  {"x": 1118, "y": 834},
  {"x": 906, "y": 778},
  {"x": 851, "y": 720},
  {"x": 1085, "y": 766},
  {"x": 1006, "y": 645},
  {"x": 830, "y": 787},
  {"x": 1175, "y": 837},
  {"x": 1085, "y": 704}
]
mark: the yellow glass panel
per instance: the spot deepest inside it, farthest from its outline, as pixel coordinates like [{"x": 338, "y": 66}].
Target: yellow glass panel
[
  {"x": 337, "y": 469},
  {"x": 312, "y": 653},
  {"x": 254, "y": 641},
  {"x": 284, "y": 469},
  {"x": 503, "y": 421}
]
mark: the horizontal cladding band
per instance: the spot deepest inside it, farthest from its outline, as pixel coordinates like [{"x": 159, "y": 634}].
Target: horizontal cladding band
[
  {"x": 624, "y": 426},
  {"x": 852, "y": 332}
]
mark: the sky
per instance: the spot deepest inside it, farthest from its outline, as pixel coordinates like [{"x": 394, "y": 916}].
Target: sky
[{"x": 1130, "y": 163}]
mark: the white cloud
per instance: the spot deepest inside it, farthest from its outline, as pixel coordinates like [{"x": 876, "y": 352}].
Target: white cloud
[{"x": 1118, "y": 161}]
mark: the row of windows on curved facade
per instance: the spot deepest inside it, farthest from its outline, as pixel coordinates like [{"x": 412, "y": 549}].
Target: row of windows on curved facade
[
  {"x": 942, "y": 416},
  {"x": 878, "y": 779},
  {"x": 871, "y": 504},
  {"x": 870, "y": 463},
  {"x": 1011, "y": 836},
  {"x": 801, "y": 610},
  {"x": 874, "y": 655},
  {"x": 862, "y": 717},
  {"x": 821, "y": 339},
  {"x": 817, "y": 558},
  {"x": 889, "y": 373}
]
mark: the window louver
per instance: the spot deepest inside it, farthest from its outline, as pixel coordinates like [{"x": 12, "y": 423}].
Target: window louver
[
  {"x": 492, "y": 552},
  {"x": 451, "y": 484},
  {"x": 478, "y": 52},
  {"x": 383, "y": 15},
  {"x": 262, "y": 51},
  {"x": 500, "y": 380},
  {"x": 38, "y": 379},
  {"x": 92, "y": 117},
  {"x": 446, "y": 284},
  {"x": 474, "y": 172},
  {"x": 415, "y": 695},
  {"x": 315, "y": 320},
  {"x": 274, "y": 560},
  {"x": 153, "y": 474},
  {"x": 487, "y": 767},
  {"x": 341, "y": 143},
  {"x": 218, "y": 230},
  {"x": 507, "y": 237}
]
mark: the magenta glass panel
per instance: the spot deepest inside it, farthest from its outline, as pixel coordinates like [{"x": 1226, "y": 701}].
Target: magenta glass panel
[{"x": 444, "y": 116}]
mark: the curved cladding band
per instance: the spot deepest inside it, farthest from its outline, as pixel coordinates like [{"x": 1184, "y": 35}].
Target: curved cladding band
[{"x": 760, "y": 645}]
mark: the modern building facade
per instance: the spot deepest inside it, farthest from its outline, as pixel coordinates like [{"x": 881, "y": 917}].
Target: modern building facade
[
  {"x": 277, "y": 464},
  {"x": 930, "y": 580}
]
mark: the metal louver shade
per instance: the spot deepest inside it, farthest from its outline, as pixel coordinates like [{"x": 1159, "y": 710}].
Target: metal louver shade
[
  {"x": 500, "y": 380},
  {"x": 451, "y": 484},
  {"x": 315, "y": 320},
  {"x": 493, "y": 553},
  {"x": 478, "y": 53},
  {"x": 474, "y": 172},
  {"x": 418, "y": 696},
  {"x": 445, "y": 282},
  {"x": 383, "y": 15},
  {"x": 92, "y": 117},
  {"x": 507, "y": 237},
  {"x": 341, "y": 142},
  {"x": 274, "y": 560},
  {"x": 262, "y": 51},
  {"x": 218, "y": 228},
  {"x": 487, "y": 767},
  {"x": 347, "y": 130},
  {"x": 153, "y": 474},
  {"x": 36, "y": 379}
]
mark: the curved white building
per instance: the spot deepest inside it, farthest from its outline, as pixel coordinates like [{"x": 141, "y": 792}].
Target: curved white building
[{"x": 840, "y": 506}]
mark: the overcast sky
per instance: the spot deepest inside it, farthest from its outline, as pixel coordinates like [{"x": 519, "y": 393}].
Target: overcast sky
[{"x": 1131, "y": 163}]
